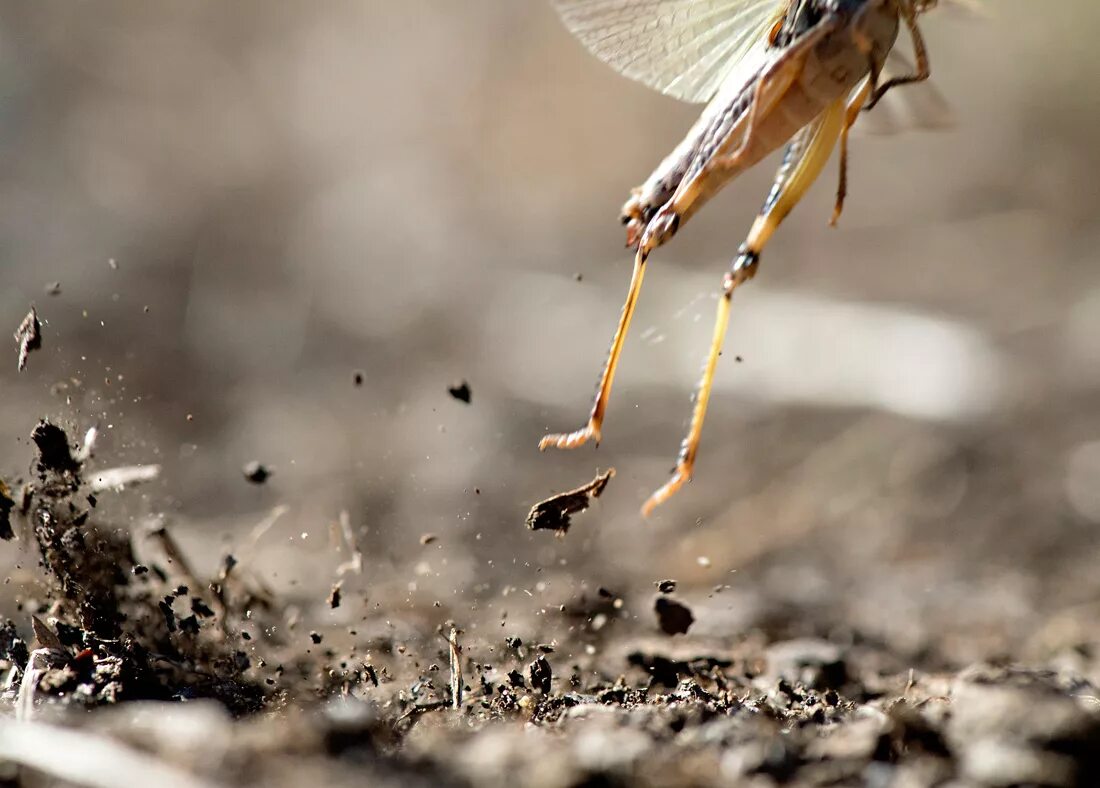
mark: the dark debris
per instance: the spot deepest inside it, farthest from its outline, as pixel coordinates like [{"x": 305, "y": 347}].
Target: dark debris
[
  {"x": 7, "y": 504},
  {"x": 556, "y": 513},
  {"x": 29, "y": 337},
  {"x": 461, "y": 392},
  {"x": 674, "y": 618},
  {"x": 256, "y": 472}
]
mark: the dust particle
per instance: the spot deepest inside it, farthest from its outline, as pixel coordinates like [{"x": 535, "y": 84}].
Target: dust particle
[
  {"x": 54, "y": 453},
  {"x": 427, "y": 539},
  {"x": 541, "y": 674},
  {"x": 461, "y": 392},
  {"x": 358, "y": 377},
  {"x": 555, "y": 514},
  {"x": 673, "y": 617},
  {"x": 53, "y": 289},
  {"x": 666, "y": 586},
  {"x": 334, "y": 596},
  {"x": 6, "y": 505},
  {"x": 29, "y": 337},
  {"x": 256, "y": 472}
]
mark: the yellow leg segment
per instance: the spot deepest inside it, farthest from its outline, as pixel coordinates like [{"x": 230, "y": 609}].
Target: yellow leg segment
[
  {"x": 591, "y": 430},
  {"x": 792, "y": 185}
]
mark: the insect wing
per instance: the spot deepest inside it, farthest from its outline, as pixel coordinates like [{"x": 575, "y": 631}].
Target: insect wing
[{"x": 683, "y": 48}]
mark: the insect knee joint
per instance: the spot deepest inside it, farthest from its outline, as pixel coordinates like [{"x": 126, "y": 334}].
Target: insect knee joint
[{"x": 742, "y": 270}]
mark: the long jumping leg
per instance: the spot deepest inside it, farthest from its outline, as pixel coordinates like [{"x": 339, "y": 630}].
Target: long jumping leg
[
  {"x": 772, "y": 83},
  {"x": 591, "y": 430},
  {"x": 806, "y": 157}
]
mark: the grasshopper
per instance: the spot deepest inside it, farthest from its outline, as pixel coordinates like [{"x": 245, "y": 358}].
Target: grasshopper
[{"x": 775, "y": 72}]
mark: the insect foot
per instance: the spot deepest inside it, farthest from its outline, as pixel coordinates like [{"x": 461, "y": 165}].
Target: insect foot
[
  {"x": 680, "y": 477},
  {"x": 570, "y": 440}
]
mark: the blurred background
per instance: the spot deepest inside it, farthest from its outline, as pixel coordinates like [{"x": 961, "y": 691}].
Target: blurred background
[{"x": 247, "y": 204}]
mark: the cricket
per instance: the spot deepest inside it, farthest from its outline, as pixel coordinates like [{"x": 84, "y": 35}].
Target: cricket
[{"x": 797, "y": 73}]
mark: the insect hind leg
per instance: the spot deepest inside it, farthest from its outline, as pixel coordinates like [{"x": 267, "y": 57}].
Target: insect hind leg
[
  {"x": 662, "y": 227},
  {"x": 805, "y": 159},
  {"x": 771, "y": 85}
]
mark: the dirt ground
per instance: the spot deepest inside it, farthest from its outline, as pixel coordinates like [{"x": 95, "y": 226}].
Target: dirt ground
[
  {"x": 297, "y": 287},
  {"x": 767, "y": 677}
]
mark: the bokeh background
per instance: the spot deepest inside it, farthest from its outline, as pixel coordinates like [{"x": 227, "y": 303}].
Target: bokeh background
[{"x": 246, "y": 203}]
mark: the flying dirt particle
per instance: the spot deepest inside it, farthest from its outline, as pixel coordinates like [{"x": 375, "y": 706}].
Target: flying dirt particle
[
  {"x": 579, "y": 277},
  {"x": 555, "y": 514},
  {"x": 53, "y": 289},
  {"x": 461, "y": 392},
  {"x": 358, "y": 377},
  {"x": 427, "y": 539},
  {"x": 666, "y": 586},
  {"x": 541, "y": 674},
  {"x": 6, "y": 505},
  {"x": 200, "y": 608},
  {"x": 165, "y": 606},
  {"x": 29, "y": 337},
  {"x": 315, "y": 637},
  {"x": 54, "y": 453},
  {"x": 673, "y": 617},
  {"x": 372, "y": 674},
  {"x": 334, "y": 596},
  {"x": 256, "y": 472}
]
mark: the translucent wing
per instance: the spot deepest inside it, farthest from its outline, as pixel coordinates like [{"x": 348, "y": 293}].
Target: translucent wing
[{"x": 683, "y": 48}]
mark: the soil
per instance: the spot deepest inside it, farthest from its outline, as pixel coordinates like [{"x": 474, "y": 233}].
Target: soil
[{"x": 593, "y": 696}]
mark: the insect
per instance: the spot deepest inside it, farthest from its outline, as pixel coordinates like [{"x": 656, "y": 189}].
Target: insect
[{"x": 774, "y": 73}]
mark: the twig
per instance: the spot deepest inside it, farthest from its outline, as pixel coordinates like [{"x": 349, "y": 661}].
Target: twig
[
  {"x": 118, "y": 479},
  {"x": 41, "y": 660},
  {"x": 175, "y": 554},
  {"x": 456, "y": 669},
  {"x": 172, "y": 550},
  {"x": 87, "y": 759},
  {"x": 261, "y": 528},
  {"x": 423, "y": 708},
  {"x": 355, "y": 563}
]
